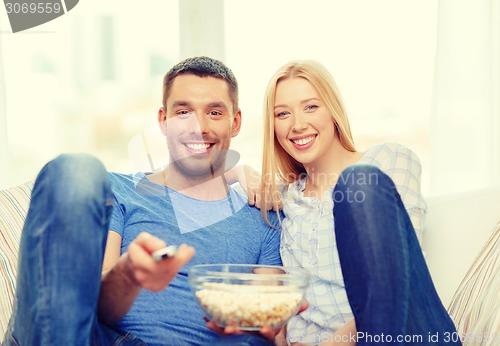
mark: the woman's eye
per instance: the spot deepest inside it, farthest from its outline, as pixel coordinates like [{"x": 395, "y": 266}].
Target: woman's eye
[
  {"x": 311, "y": 107},
  {"x": 281, "y": 114}
]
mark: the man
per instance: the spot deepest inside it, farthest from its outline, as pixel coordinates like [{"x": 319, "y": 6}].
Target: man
[{"x": 62, "y": 298}]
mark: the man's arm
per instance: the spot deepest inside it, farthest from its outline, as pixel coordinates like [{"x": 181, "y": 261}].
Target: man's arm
[
  {"x": 270, "y": 241},
  {"x": 124, "y": 276}
]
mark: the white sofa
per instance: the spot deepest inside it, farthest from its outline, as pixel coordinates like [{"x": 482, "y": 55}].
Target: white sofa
[{"x": 457, "y": 227}]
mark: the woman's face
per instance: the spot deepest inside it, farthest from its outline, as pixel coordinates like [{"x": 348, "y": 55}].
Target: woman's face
[{"x": 302, "y": 124}]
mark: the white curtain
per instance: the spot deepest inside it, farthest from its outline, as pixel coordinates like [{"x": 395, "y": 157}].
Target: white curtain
[{"x": 466, "y": 97}]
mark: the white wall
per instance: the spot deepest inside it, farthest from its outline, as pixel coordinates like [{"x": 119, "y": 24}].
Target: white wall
[
  {"x": 201, "y": 28},
  {"x": 466, "y": 102},
  {"x": 4, "y": 157}
]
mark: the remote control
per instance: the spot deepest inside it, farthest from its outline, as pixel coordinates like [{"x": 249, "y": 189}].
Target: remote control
[{"x": 166, "y": 252}]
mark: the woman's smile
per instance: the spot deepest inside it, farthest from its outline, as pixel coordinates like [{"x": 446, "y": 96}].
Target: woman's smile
[{"x": 303, "y": 142}]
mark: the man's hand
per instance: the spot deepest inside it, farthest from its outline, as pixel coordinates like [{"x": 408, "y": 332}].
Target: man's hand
[
  {"x": 148, "y": 273},
  {"x": 134, "y": 270}
]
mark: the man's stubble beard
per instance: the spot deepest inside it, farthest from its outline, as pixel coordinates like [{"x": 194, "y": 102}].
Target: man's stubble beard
[{"x": 200, "y": 165}]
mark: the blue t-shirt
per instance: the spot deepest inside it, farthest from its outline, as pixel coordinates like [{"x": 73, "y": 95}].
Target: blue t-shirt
[{"x": 221, "y": 231}]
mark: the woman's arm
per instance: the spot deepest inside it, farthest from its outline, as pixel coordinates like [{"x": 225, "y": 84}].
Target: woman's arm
[
  {"x": 345, "y": 336},
  {"x": 404, "y": 168}
]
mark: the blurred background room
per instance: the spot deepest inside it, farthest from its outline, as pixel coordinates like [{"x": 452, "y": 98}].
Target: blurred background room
[{"x": 423, "y": 73}]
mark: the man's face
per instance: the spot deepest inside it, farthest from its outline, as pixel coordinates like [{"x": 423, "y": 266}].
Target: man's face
[{"x": 199, "y": 122}]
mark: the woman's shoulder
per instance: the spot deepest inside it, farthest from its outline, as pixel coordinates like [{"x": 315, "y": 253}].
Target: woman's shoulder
[
  {"x": 389, "y": 151},
  {"x": 388, "y": 148}
]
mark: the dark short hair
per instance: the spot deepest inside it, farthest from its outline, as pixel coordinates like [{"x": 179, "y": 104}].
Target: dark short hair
[{"x": 202, "y": 66}]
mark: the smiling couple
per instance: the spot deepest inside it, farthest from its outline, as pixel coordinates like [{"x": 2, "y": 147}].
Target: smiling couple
[{"x": 86, "y": 274}]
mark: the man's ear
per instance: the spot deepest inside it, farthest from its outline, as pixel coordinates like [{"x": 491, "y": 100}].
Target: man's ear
[
  {"x": 236, "y": 123},
  {"x": 162, "y": 120}
]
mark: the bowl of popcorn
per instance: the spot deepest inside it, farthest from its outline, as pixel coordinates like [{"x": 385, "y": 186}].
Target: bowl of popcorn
[{"x": 248, "y": 296}]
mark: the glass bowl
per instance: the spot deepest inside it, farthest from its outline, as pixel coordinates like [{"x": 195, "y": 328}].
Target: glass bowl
[{"x": 248, "y": 296}]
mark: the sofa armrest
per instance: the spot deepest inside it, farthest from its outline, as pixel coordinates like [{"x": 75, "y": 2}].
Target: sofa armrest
[{"x": 14, "y": 204}]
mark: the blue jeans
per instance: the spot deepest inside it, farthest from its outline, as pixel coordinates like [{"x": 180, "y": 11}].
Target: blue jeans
[
  {"x": 387, "y": 280},
  {"x": 60, "y": 258}
]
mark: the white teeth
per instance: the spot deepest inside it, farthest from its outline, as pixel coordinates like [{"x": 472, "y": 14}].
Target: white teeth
[
  {"x": 304, "y": 141},
  {"x": 198, "y": 146}
]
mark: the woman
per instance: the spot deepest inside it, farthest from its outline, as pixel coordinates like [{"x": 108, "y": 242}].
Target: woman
[{"x": 345, "y": 220}]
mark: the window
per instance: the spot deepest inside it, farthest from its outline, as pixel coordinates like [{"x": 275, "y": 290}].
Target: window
[{"x": 88, "y": 81}]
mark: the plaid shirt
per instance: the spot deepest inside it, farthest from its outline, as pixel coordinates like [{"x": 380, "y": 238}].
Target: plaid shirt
[{"x": 308, "y": 241}]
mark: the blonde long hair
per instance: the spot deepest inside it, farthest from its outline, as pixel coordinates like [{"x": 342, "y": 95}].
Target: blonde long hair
[{"x": 277, "y": 164}]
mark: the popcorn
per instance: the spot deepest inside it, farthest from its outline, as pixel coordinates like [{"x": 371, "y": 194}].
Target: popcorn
[{"x": 249, "y": 306}]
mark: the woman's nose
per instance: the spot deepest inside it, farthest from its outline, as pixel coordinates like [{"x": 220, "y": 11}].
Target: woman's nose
[{"x": 299, "y": 123}]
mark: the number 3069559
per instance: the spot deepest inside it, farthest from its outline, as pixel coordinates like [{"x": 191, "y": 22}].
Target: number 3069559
[{"x": 40, "y": 7}]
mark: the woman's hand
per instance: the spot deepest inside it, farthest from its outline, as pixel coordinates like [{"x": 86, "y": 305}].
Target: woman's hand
[
  {"x": 265, "y": 332},
  {"x": 280, "y": 338},
  {"x": 274, "y": 335},
  {"x": 251, "y": 181}
]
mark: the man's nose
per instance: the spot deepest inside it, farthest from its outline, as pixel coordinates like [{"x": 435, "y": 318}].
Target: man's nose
[{"x": 199, "y": 124}]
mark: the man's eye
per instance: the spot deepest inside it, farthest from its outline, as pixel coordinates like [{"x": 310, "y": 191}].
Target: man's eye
[
  {"x": 215, "y": 113},
  {"x": 183, "y": 113}
]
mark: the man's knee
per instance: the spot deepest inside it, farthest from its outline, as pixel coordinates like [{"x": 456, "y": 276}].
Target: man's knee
[
  {"x": 77, "y": 165},
  {"x": 73, "y": 176}
]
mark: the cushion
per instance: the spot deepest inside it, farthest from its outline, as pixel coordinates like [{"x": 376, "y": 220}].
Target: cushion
[
  {"x": 14, "y": 204},
  {"x": 475, "y": 307}
]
